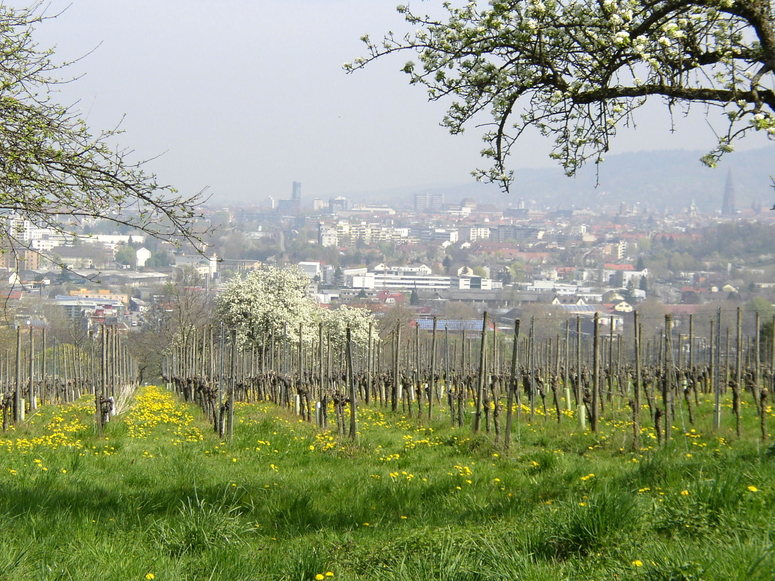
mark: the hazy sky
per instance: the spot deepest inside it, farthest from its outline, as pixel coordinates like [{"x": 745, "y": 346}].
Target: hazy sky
[{"x": 245, "y": 96}]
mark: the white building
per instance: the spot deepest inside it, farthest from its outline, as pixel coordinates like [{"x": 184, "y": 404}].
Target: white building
[
  {"x": 372, "y": 280},
  {"x": 141, "y": 256},
  {"x": 311, "y": 269},
  {"x": 113, "y": 240}
]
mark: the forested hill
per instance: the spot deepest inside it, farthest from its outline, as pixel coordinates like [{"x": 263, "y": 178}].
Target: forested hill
[{"x": 658, "y": 180}]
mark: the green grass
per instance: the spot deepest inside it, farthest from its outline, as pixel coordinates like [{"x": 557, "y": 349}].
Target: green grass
[{"x": 159, "y": 496}]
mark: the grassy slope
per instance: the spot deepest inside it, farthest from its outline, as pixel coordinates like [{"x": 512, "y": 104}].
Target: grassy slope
[{"x": 161, "y": 497}]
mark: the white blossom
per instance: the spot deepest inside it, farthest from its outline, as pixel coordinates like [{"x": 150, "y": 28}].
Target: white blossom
[{"x": 622, "y": 37}]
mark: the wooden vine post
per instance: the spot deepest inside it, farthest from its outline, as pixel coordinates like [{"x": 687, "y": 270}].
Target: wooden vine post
[
  {"x": 482, "y": 373},
  {"x": 394, "y": 395},
  {"x": 232, "y": 380},
  {"x": 353, "y": 392},
  {"x": 580, "y": 406},
  {"x": 512, "y": 388},
  {"x": 669, "y": 374},
  {"x": 17, "y": 395},
  {"x": 369, "y": 365},
  {"x": 637, "y": 386},
  {"x": 594, "y": 410},
  {"x": 417, "y": 376},
  {"x": 736, "y": 383},
  {"x": 31, "y": 392},
  {"x": 716, "y": 363},
  {"x": 99, "y": 388},
  {"x": 432, "y": 381},
  {"x": 755, "y": 388}
]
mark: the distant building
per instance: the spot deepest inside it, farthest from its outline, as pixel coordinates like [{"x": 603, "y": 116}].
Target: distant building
[
  {"x": 439, "y": 235},
  {"x": 419, "y": 277},
  {"x": 428, "y": 202},
  {"x": 327, "y": 236},
  {"x": 18, "y": 258},
  {"x": 91, "y": 256},
  {"x": 338, "y": 204},
  {"x": 475, "y": 233},
  {"x": 517, "y": 233},
  {"x": 141, "y": 256},
  {"x": 92, "y": 307},
  {"x": 374, "y": 210},
  {"x": 204, "y": 267},
  {"x": 112, "y": 240},
  {"x": 311, "y": 269},
  {"x": 454, "y": 325},
  {"x": 289, "y": 207},
  {"x": 293, "y": 206},
  {"x": 477, "y": 283},
  {"x": 99, "y": 296},
  {"x": 401, "y": 278}
]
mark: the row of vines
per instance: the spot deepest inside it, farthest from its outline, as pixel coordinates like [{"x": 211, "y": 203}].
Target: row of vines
[
  {"x": 489, "y": 379},
  {"x": 41, "y": 371}
]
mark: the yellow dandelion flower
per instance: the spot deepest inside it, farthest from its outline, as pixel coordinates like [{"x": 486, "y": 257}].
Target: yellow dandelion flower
[
  {"x": 684, "y": 493},
  {"x": 752, "y": 488},
  {"x": 637, "y": 563}
]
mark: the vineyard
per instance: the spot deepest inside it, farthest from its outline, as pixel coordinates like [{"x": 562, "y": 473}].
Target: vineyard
[
  {"x": 202, "y": 409},
  {"x": 411, "y": 454}
]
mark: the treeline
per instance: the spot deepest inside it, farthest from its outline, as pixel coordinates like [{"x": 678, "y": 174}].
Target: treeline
[{"x": 735, "y": 241}]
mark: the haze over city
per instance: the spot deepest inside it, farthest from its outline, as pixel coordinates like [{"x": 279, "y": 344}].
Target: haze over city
[{"x": 242, "y": 98}]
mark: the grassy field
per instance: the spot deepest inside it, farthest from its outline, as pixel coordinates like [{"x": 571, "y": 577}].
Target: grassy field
[{"x": 161, "y": 497}]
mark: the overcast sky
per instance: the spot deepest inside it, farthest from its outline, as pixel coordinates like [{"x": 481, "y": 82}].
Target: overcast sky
[{"x": 245, "y": 96}]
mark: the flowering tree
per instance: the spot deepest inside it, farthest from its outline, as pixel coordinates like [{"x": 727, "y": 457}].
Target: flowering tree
[
  {"x": 54, "y": 172},
  {"x": 269, "y": 301},
  {"x": 577, "y": 69},
  {"x": 274, "y": 301},
  {"x": 357, "y": 319}
]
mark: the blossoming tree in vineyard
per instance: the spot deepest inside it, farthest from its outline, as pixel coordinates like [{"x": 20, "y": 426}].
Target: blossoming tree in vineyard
[{"x": 275, "y": 302}]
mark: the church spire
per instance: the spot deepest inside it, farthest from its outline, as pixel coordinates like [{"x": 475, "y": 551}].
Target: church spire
[{"x": 728, "y": 204}]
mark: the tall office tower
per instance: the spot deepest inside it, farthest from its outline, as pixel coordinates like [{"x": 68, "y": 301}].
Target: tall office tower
[
  {"x": 296, "y": 191},
  {"x": 428, "y": 202},
  {"x": 728, "y": 205}
]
